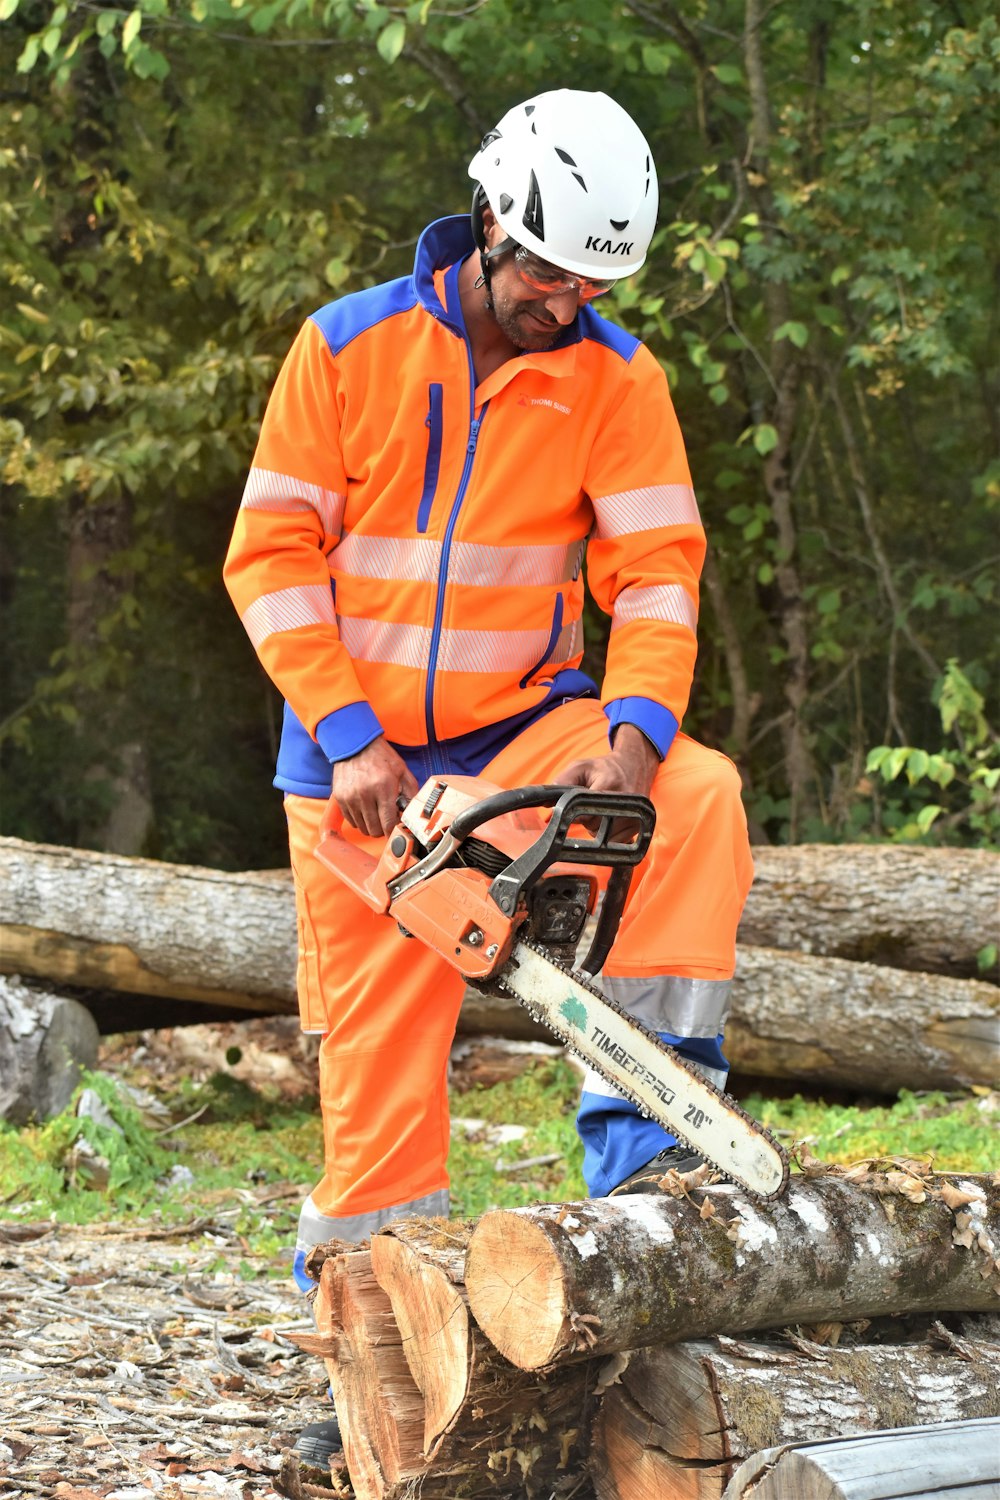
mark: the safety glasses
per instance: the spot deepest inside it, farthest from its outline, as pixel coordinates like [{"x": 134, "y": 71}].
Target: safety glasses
[{"x": 542, "y": 276}]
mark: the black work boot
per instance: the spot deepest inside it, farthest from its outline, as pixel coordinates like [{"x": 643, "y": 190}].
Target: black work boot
[
  {"x": 647, "y": 1179},
  {"x": 317, "y": 1443}
]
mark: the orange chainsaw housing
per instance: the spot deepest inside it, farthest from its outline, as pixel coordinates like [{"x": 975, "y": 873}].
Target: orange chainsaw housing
[{"x": 449, "y": 905}]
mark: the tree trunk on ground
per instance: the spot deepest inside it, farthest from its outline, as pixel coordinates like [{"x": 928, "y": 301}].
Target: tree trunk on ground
[
  {"x": 555, "y": 1282},
  {"x": 827, "y": 1021},
  {"x": 157, "y": 935},
  {"x": 45, "y": 1043},
  {"x": 107, "y": 922},
  {"x": 914, "y": 1463},
  {"x": 684, "y": 1416},
  {"x": 886, "y": 904},
  {"x": 493, "y": 1431}
]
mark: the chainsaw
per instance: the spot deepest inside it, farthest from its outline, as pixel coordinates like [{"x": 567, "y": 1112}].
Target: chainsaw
[{"x": 501, "y": 883}]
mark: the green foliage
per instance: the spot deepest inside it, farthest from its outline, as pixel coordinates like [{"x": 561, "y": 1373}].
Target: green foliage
[{"x": 971, "y": 768}]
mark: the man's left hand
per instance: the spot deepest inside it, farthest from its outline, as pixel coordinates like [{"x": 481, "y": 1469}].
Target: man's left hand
[{"x": 629, "y": 766}]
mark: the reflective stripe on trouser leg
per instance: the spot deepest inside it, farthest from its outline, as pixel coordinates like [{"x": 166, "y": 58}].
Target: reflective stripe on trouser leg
[
  {"x": 316, "y": 1228},
  {"x": 688, "y": 1014}
]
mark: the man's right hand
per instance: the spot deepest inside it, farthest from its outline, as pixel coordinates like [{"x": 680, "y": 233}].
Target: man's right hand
[{"x": 366, "y": 787}]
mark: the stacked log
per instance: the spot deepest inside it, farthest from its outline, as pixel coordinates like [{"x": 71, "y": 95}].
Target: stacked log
[
  {"x": 854, "y": 968},
  {"x": 589, "y": 1358},
  {"x": 426, "y": 1404},
  {"x": 960, "y": 1459},
  {"x": 682, "y": 1417}
]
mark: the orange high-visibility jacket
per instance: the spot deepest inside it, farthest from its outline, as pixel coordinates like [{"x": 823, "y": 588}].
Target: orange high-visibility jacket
[{"x": 408, "y": 553}]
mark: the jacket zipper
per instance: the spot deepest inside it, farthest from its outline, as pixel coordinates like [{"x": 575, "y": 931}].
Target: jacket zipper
[
  {"x": 475, "y": 424},
  {"x": 434, "y": 422}
]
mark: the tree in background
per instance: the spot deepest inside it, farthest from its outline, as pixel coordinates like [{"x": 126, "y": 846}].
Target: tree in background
[{"x": 188, "y": 181}]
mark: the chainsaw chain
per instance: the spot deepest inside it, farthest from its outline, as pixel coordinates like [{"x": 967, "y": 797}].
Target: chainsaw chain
[{"x": 726, "y": 1101}]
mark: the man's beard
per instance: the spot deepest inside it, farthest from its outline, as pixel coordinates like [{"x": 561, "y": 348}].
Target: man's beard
[{"x": 515, "y": 322}]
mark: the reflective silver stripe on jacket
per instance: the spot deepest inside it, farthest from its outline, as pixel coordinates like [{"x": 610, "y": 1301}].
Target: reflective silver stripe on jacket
[
  {"x": 469, "y": 563},
  {"x": 666, "y": 601},
  {"x": 458, "y": 650},
  {"x": 267, "y": 490},
  {"x": 316, "y": 1228},
  {"x": 287, "y": 609},
  {"x": 648, "y": 509},
  {"x": 671, "y": 1002}
]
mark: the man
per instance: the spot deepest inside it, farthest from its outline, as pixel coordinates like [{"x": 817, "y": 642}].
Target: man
[{"x": 438, "y": 456}]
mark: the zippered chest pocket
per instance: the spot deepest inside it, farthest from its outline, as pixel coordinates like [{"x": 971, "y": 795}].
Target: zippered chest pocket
[{"x": 434, "y": 422}]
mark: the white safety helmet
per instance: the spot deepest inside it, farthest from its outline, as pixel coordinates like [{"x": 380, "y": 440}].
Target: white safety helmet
[{"x": 570, "y": 176}]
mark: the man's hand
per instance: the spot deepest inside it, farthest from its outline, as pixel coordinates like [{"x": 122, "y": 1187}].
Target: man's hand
[
  {"x": 629, "y": 766},
  {"x": 366, "y": 786}
]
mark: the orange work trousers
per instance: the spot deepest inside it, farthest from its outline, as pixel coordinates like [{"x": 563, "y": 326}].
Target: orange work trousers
[{"x": 386, "y": 1006}]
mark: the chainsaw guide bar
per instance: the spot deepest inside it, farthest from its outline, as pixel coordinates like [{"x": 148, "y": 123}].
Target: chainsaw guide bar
[{"x": 661, "y": 1084}]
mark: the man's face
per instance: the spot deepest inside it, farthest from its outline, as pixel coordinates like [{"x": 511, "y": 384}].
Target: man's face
[{"x": 530, "y": 319}]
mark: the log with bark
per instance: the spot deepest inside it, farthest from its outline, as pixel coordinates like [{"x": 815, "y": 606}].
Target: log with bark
[
  {"x": 475, "y": 1427},
  {"x": 889, "y": 904},
  {"x": 562, "y": 1281},
  {"x": 158, "y": 935},
  {"x": 827, "y": 1021},
  {"x": 428, "y": 1406},
  {"x": 46, "y": 1041},
  {"x": 960, "y": 1460},
  {"x": 681, "y": 1418}
]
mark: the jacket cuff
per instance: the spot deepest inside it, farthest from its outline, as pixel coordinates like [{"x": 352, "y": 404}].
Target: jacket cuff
[
  {"x": 656, "y": 722},
  {"x": 347, "y": 730}
]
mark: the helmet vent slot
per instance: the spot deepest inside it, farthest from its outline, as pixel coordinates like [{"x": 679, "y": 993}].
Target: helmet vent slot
[
  {"x": 533, "y": 218},
  {"x": 564, "y": 156},
  {"x": 618, "y": 223}
]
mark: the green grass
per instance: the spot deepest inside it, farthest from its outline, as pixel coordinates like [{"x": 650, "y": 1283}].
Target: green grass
[
  {"x": 249, "y": 1152},
  {"x": 950, "y": 1132}
]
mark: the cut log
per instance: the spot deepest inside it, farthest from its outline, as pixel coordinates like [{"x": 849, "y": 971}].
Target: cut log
[
  {"x": 503, "y": 1434},
  {"x": 683, "y": 1417},
  {"x": 46, "y": 1041},
  {"x": 857, "y": 1026},
  {"x": 889, "y": 904},
  {"x": 568, "y": 1280},
  {"x": 957, "y": 1460}
]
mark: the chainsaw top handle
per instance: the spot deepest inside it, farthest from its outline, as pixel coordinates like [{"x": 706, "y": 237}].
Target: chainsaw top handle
[{"x": 570, "y": 805}]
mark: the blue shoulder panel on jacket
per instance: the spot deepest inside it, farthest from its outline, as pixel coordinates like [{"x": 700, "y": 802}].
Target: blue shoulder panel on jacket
[
  {"x": 593, "y": 326},
  {"x": 342, "y": 321}
]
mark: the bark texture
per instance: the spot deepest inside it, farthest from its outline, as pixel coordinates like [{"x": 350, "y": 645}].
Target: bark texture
[
  {"x": 858, "y": 1026},
  {"x": 46, "y": 1041},
  {"x": 563, "y": 1281},
  {"x": 888, "y": 904},
  {"x": 106, "y": 921},
  {"x": 681, "y": 1418},
  {"x": 957, "y": 1459},
  {"x": 162, "y": 936}
]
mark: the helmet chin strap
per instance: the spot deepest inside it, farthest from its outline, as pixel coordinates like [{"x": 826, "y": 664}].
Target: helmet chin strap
[{"x": 479, "y": 202}]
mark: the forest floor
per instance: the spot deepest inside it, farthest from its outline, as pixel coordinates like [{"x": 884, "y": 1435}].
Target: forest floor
[
  {"x": 146, "y": 1325},
  {"x": 140, "y": 1360},
  {"x": 155, "y": 1357}
]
